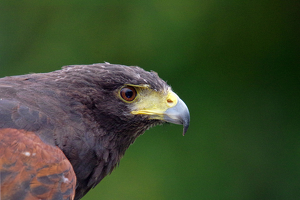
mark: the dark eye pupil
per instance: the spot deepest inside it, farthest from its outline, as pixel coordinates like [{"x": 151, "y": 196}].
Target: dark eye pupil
[{"x": 128, "y": 93}]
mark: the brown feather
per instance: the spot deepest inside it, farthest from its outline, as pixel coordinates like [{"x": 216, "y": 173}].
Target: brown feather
[{"x": 31, "y": 169}]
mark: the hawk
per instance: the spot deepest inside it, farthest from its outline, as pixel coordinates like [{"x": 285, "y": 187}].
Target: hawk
[{"x": 62, "y": 132}]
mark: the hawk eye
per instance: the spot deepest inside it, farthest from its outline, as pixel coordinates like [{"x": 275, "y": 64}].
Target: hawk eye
[{"x": 128, "y": 93}]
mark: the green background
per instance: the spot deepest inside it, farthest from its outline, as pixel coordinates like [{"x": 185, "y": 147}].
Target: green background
[{"x": 234, "y": 63}]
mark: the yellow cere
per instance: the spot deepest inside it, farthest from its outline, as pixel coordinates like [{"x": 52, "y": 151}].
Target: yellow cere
[{"x": 153, "y": 103}]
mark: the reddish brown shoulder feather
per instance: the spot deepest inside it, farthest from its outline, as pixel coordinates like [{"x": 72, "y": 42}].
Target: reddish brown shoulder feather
[{"x": 31, "y": 169}]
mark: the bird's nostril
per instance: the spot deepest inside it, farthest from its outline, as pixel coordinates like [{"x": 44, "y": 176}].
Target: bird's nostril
[{"x": 169, "y": 101}]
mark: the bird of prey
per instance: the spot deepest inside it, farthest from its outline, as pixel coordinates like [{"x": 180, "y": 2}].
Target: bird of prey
[{"x": 62, "y": 132}]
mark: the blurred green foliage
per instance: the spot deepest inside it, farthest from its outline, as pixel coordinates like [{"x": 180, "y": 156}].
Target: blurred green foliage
[{"x": 234, "y": 63}]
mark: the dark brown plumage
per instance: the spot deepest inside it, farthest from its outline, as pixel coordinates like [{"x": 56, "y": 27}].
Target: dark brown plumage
[{"x": 78, "y": 120}]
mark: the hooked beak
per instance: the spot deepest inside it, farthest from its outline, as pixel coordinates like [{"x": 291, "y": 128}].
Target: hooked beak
[
  {"x": 168, "y": 107},
  {"x": 179, "y": 114}
]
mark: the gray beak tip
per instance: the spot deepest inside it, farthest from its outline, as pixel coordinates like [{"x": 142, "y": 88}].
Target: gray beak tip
[{"x": 186, "y": 123}]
